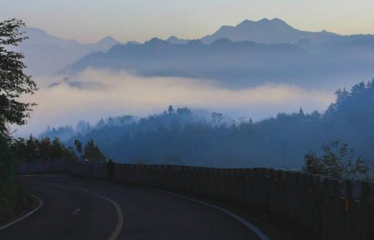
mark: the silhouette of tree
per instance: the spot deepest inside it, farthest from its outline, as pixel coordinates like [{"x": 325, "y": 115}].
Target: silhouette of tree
[
  {"x": 338, "y": 161},
  {"x": 13, "y": 81},
  {"x": 301, "y": 113},
  {"x": 45, "y": 149},
  {"x": 217, "y": 119},
  {"x": 41, "y": 149},
  {"x": 101, "y": 124},
  {"x": 57, "y": 148},
  {"x": 78, "y": 145},
  {"x": 92, "y": 152},
  {"x": 14, "y": 84},
  {"x": 171, "y": 109}
]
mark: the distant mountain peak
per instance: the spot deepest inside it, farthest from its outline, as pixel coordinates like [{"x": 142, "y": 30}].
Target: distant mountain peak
[
  {"x": 176, "y": 40},
  {"x": 264, "y": 23},
  {"x": 272, "y": 20},
  {"x": 156, "y": 42},
  {"x": 107, "y": 38},
  {"x": 172, "y": 38},
  {"x": 108, "y": 41},
  {"x": 264, "y": 20},
  {"x": 265, "y": 31}
]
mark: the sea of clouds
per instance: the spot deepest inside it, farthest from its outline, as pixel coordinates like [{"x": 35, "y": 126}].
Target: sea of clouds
[{"x": 96, "y": 94}]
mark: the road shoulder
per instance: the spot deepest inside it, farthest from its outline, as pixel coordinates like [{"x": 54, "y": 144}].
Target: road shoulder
[{"x": 35, "y": 204}]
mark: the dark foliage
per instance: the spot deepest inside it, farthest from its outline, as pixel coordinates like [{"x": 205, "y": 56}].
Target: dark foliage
[
  {"x": 337, "y": 161},
  {"x": 8, "y": 188},
  {"x": 92, "y": 153},
  {"x": 41, "y": 149},
  {"x": 78, "y": 145},
  {"x": 13, "y": 84},
  {"x": 13, "y": 81}
]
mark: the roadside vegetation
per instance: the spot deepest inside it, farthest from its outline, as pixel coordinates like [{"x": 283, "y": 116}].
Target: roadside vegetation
[
  {"x": 45, "y": 149},
  {"x": 13, "y": 84},
  {"x": 338, "y": 161},
  {"x": 32, "y": 149}
]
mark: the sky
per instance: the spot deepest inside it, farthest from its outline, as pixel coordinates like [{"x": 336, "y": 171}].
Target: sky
[{"x": 140, "y": 20}]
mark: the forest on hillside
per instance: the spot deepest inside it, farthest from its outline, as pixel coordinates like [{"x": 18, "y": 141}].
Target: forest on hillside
[{"x": 184, "y": 137}]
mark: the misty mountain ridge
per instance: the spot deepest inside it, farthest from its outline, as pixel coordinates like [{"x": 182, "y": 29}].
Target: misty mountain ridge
[
  {"x": 47, "y": 54},
  {"x": 240, "y": 64},
  {"x": 277, "y": 31},
  {"x": 249, "y": 54},
  {"x": 41, "y": 37},
  {"x": 231, "y": 63}
]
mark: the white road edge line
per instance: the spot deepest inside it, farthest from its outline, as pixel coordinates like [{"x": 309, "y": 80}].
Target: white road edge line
[
  {"x": 118, "y": 228},
  {"x": 41, "y": 203},
  {"x": 253, "y": 228}
]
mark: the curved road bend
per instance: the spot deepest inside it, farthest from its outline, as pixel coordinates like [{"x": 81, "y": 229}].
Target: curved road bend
[{"x": 78, "y": 209}]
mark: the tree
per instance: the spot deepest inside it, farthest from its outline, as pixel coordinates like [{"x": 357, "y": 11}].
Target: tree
[
  {"x": 41, "y": 149},
  {"x": 301, "y": 113},
  {"x": 338, "y": 161},
  {"x": 13, "y": 84},
  {"x": 57, "y": 149},
  {"x": 171, "y": 110},
  {"x": 217, "y": 119},
  {"x": 32, "y": 149},
  {"x": 110, "y": 122},
  {"x": 13, "y": 81},
  {"x": 45, "y": 149},
  {"x": 101, "y": 124},
  {"x": 78, "y": 145},
  {"x": 69, "y": 153},
  {"x": 184, "y": 111},
  {"x": 92, "y": 152}
]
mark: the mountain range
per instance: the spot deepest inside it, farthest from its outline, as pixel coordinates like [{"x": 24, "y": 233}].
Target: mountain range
[
  {"x": 229, "y": 63},
  {"x": 249, "y": 54}
]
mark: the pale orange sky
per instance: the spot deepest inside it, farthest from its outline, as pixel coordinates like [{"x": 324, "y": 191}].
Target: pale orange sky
[{"x": 140, "y": 20}]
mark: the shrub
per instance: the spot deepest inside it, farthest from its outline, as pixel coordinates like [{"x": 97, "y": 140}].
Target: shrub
[{"x": 337, "y": 161}]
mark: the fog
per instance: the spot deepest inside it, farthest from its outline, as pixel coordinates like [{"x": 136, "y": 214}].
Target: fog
[{"x": 95, "y": 94}]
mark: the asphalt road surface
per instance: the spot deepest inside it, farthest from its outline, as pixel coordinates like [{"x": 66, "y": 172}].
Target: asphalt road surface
[{"x": 78, "y": 209}]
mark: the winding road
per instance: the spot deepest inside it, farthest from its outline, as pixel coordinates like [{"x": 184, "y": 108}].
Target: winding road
[{"x": 79, "y": 209}]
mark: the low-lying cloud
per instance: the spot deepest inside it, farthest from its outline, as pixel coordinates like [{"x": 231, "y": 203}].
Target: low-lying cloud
[{"x": 123, "y": 93}]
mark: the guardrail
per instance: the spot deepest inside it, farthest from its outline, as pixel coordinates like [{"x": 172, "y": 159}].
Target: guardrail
[
  {"x": 39, "y": 167},
  {"x": 331, "y": 208}
]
